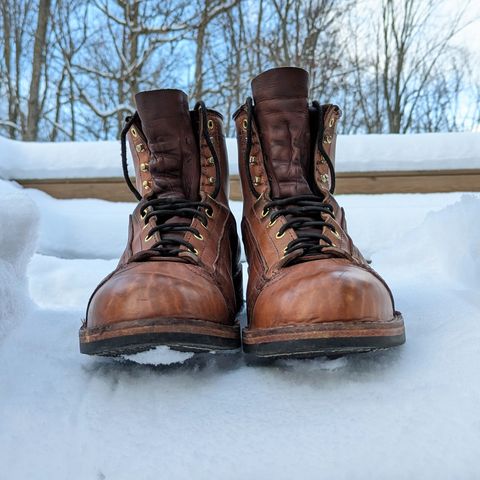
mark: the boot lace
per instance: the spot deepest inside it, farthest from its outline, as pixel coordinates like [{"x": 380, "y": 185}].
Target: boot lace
[
  {"x": 164, "y": 209},
  {"x": 306, "y": 215}
]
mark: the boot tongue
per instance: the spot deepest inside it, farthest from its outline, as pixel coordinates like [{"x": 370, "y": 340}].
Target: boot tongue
[
  {"x": 167, "y": 125},
  {"x": 281, "y": 113}
]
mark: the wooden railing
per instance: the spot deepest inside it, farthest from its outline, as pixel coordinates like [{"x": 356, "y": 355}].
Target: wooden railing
[{"x": 428, "y": 181}]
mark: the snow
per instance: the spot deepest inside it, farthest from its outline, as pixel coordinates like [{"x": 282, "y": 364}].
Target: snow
[
  {"x": 159, "y": 356},
  {"x": 20, "y": 159},
  {"x": 81, "y": 228},
  {"x": 18, "y": 231},
  {"x": 422, "y": 151},
  {"x": 355, "y": 153},
  {"x": 401, "y": 413}
]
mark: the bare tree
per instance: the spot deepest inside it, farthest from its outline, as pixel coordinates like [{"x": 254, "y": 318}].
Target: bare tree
[
  {"x": 409, "y": 43},
  {"x": 69, "y": 69}
]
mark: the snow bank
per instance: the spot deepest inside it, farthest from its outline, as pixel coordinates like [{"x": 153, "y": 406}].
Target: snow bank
[
  {"x": 446, "y": 244},
  {"x": 59, "y": 160},
  {"x": 422, "y": 151},
  {"x": 400, "y": 414},
  {"x": 355, "y": 153},
  {"x": 81, "y": 228},
  {"x": 18, "y": 234}
]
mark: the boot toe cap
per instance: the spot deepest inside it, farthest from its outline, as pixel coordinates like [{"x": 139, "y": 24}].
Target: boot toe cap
[
  {"x": 322, "y": 291},
  {"x": 153, "y": 290}
]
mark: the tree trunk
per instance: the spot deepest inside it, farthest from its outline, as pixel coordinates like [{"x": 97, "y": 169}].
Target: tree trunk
[
  {"x": 33, "y": 116},
  {"x": 202, "y": 27}
]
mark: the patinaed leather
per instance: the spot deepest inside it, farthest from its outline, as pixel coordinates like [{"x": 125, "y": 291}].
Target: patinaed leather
[
  {"x": 172, "y": 159},
  {"x": 287, "y": 148}
]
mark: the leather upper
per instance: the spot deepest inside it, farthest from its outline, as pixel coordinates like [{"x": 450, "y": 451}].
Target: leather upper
[
  {"x": 203, "y": 282},
  {"x": 282, "y": 119},
  {"x": 274, "y": 162},
  {"x": 173, "y": 149}
]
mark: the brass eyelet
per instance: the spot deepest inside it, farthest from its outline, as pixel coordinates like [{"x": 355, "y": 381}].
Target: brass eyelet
[
  {"x": 324, "y": 178},
  {"x": 133, "y": 131},
  {"x": 211, "y": 161},
  {"x": 146, "y": 185},
  {"x": 199, "y": 236},
  {"x": 252, "y": 160},
  {"x": 143, "y": 215},
  {"x": 279, "y": 236},
  {"x": 271, "y": 224},
  {"x": 140, "y": 147},
  {"x": 210, "y": 124},
  {"x": 146, "y": 226},
  {"x": 333, "y": 244},
  {"x": 211, "y": 180},
  {"x": 336, "y": 233},
  {"x": 245, "y": 123},
  {"x": 144, "y": 167},
  {"x": 148, "y": 238},
  {"x": 195, "y": 252},
  {"x": 265, "y": 212},
  {"x": 331, "y": 122},
  {"x": 207, "y": 210}
]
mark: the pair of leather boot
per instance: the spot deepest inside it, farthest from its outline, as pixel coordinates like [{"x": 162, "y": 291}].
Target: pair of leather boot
[{"x": 179, "y": 282}]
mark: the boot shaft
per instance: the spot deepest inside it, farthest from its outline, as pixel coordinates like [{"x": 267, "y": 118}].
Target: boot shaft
[
  {"x": 285, "y": 146},
  {"x": 286, "y": 149},
  {"x": 176, "y": 152}
]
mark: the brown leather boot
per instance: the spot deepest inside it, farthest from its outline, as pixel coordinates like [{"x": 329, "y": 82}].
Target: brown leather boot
[
  {"x": 178, "y": 282},
  {"x": 310, "y": 291}
]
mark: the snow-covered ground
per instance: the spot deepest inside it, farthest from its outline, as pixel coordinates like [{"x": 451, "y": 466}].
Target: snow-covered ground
[
  {"x": 355, "y": 153},
  {"x": 411, "y": 412}
]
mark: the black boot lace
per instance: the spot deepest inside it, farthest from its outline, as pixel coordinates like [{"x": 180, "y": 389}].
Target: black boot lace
[
  {"x": 306, "y": 215},
  {"x": 164, "y": 209}
]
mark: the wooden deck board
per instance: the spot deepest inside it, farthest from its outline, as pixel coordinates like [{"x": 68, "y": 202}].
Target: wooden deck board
[{"x": 114, "y": 189}]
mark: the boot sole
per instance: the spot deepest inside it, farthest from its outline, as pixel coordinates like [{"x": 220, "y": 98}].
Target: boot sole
[
  {"x": 127, "y": 338},
  {"x": 328, "y": 338}
]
